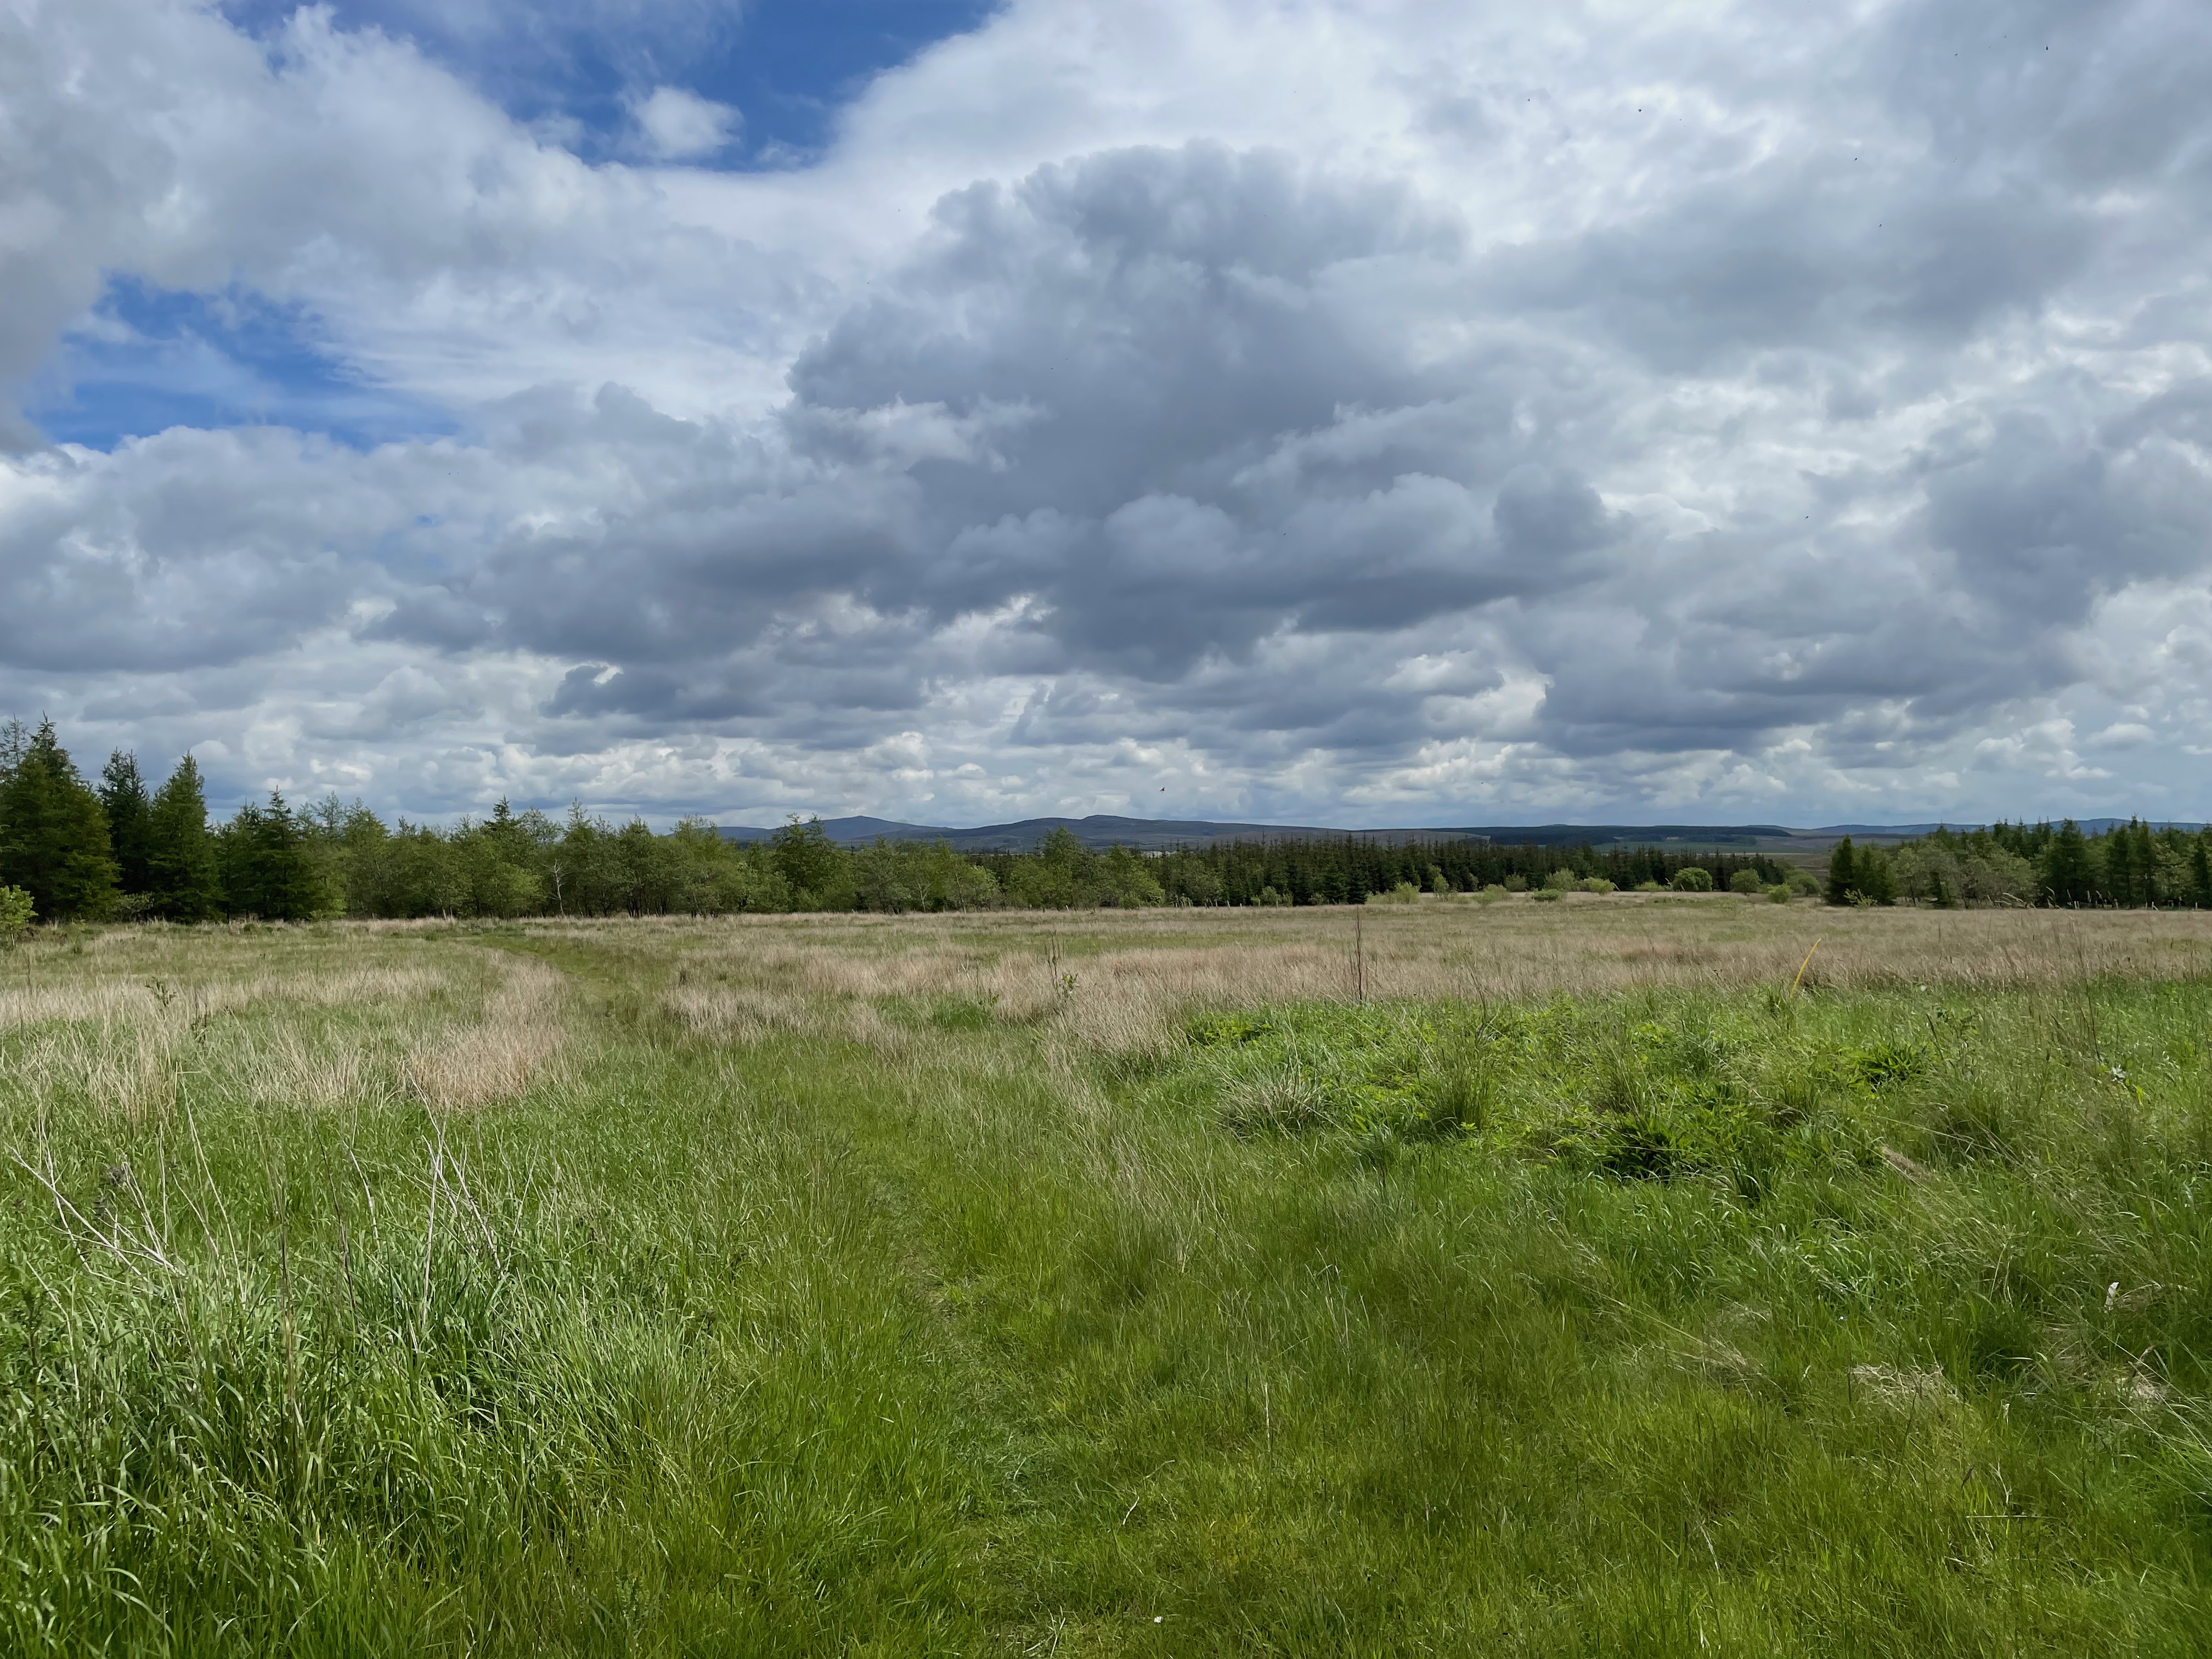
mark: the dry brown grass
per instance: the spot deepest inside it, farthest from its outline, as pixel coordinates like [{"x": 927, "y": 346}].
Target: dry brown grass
[
  {"x": 310, "y": 1018},
  {"x": 135, "y": 999},
  {"x": 518, "y": 1039},
  {"x": 1114, "y": 980}
]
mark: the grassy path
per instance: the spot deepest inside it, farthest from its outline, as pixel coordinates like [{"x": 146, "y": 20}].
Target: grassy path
[
  {"x": 1200, "y": 1395},
  {"x": 1876, "y": 1324}
]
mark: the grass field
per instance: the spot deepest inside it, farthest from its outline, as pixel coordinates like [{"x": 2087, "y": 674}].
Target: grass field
[{"x": 1452, "y": 1278}]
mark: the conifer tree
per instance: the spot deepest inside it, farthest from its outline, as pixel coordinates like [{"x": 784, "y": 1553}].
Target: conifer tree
[
  {"x": 266, "y": 869},
  {"x": 123, "y": 798},
  {"x": 1843, "y": 872},
  {"x": 180, "y": 866},
  {"x": 2069, "y": 875},
  {"x": 53, "y": 834}
]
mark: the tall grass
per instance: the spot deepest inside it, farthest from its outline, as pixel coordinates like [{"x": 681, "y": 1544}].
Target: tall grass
[{"x": 1130, "y": 1285}]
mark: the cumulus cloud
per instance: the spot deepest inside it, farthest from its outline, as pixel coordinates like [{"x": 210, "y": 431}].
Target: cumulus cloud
[
  {"x": 1408, "y": 408},
  {"x": 682, "y": 126}
]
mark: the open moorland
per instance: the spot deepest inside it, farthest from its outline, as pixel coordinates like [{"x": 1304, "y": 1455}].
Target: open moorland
[{"x": 1592, "y": 1276}]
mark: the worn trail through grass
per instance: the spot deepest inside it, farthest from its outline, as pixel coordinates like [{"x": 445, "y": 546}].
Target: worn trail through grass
[{"x": 692, "y": 1307}]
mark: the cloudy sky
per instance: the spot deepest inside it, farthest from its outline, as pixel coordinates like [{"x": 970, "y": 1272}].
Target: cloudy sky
[{"x": 1394, "y": 412}]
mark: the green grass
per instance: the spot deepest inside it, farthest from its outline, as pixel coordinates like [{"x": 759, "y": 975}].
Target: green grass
[{"x": 1867, "y": 1323}]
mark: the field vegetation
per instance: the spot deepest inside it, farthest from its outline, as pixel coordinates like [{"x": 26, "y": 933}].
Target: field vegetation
[{"x": 1601, "y": 1275}]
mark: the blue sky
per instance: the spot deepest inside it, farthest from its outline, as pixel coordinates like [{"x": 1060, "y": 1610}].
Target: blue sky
[
  {"x": 152, "y": 358},
  {"x": 787, "y": 65},
  {"x": 1324, "y": 410}
]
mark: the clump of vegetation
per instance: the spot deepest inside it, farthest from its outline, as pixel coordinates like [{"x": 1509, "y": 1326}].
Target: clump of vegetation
[
  {"x": 1691, "y": 878},
  {"x": 16, "y": 913}
]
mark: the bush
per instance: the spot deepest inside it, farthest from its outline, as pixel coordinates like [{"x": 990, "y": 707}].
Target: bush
[
  {"x": 1491, "y": 894},
  {"x": 1598, "y": 884},
  {"x": 1517, "y": 884},
  {"x": 1778, "y": 894},
  {"x": 1551, "y": 894},
  {"x": 1269, "y": 896},
  {"x": 1691, "y": 878},
  {"x": 15, "y": 913},
  {"x": 1648, "y": 887},
  {"x": 1746, "y": 882},
  {"x": 1404, "y": 893},
  {"x": 1560, "y": 881}
]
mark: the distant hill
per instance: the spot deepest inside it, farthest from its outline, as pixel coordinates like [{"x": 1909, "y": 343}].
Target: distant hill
[
  {"x": 1100, "y": 830},
  {"x": 1154, "y": 835}
]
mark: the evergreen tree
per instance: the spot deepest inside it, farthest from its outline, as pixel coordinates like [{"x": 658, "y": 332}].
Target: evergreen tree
[
  {"x": 2121, "y": 873},
  {"x": 181, "y": 883},
  {"x": 123, "y": 798},
  {"x": 53, "y": 834},
  {"x": 2200, "y": 872},
  {"x": 267, "y": 870},
  {"x": 2069, "y": 873},
  {"x": 1843, "y": 872}
]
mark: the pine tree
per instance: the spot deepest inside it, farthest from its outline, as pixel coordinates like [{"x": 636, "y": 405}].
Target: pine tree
[
  {"x": 266, "y": 869},
  {"x": 180, "y": 866},
  {"x": 2200, "y": 872},
  {"x": 1843, "y": 872},
  {"x": 53, "y": 834},
  {"x": 123, "y": 798},
  {"x": 2068, "y": 874}
]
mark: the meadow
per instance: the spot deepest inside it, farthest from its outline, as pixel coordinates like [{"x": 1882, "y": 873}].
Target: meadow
[{"x": 1600, "y": 1275}]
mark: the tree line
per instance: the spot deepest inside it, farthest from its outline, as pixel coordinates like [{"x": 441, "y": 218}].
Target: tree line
[
  {"x": 121, "y": 847},
  {"x": 2126, "y": 865}
]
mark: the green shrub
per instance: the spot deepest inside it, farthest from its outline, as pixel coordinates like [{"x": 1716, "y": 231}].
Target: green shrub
[
  {"x": 1778, "y": 894},
  {"x": 1269, "y": 896},
  {"x": 1517, "y": 884},
  {"x": 1491, "y": 894},
  {"x": 1597, "y": 884},
  {"x": 1692, "y": 878},
  {"x": 1746, "y": 882},
  {"x": 1551, "y": 894},
  {"x": 1560, "y": 881},
  {"x": 1650, "y": 887},
  {"x": 1404, "y": 893},
  {"x": 15, "y": 913}
]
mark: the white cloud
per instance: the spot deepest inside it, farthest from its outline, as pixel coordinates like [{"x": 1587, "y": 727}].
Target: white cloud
[
  {"x": 1412, "y": 405},
  {"x": 682, "y": 126}
]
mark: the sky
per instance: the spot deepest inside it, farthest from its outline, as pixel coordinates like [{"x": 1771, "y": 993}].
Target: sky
[{"x": 1400, "y": 412}]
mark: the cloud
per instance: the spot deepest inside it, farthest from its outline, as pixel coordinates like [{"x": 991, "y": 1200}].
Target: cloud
[
  {"x": 1290, "y": 406},
  {"x": 681, "y": 126}
]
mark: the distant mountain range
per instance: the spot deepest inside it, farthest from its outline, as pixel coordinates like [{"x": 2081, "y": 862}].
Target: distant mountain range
[{"x": 1153, "y": 835}]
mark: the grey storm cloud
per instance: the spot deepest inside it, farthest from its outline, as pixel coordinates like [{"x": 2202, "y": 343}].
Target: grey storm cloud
[{"x": 1772, "y": 407}]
